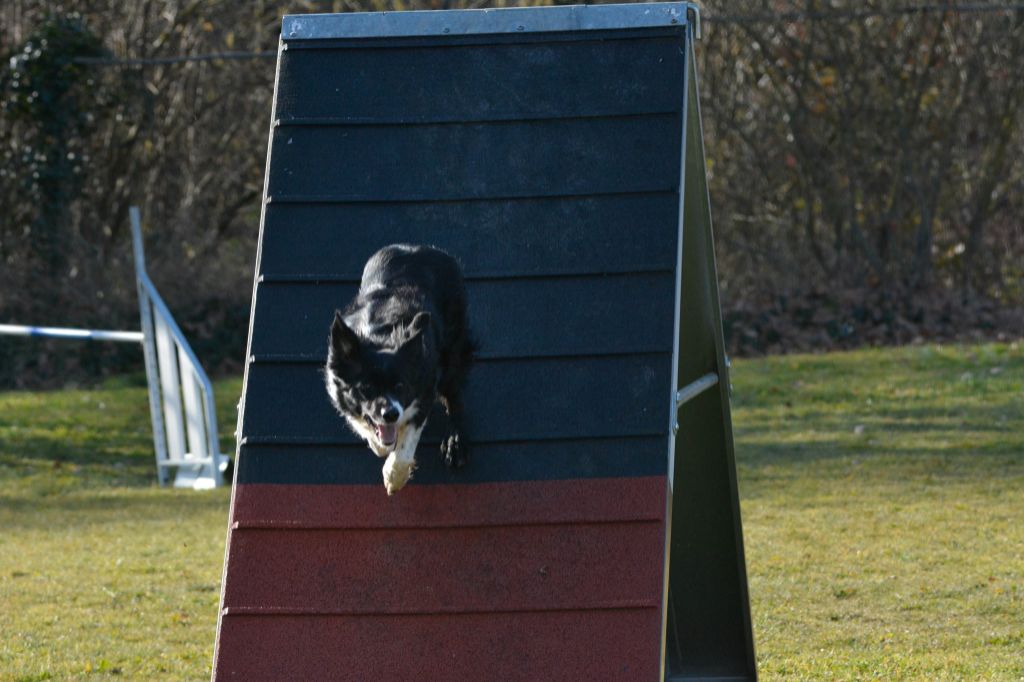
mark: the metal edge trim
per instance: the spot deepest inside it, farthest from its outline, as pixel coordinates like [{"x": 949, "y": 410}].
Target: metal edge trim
[
  {"x": 508, "y": 20},
  {"x": 677, "y": 319},
  {"x": 281, "y": 47}
]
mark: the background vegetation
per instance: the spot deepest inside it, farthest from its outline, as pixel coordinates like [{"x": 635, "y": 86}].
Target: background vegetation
[
  {"x": 883, "y": 509},
  {"x": 863, "y": 168},
  {"x": 868, "y": 189}
]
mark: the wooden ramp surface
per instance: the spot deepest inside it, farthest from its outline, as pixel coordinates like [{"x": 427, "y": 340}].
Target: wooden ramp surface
[{"x": 549, "y": 164}]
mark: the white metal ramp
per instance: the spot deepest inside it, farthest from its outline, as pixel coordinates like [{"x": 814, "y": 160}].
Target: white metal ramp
[{"x": 180, "y": 393}]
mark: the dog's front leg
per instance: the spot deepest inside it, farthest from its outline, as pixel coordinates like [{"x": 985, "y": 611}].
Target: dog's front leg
[
  {"x": 453, "y": 450},
  {"x": 400, "y": 464}
]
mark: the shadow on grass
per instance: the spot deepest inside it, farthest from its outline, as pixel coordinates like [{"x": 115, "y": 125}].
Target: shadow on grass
[
  {"x": 995, "y": 418},
  {"x": 92, "y": 450},
  {"x": 26, "y": 512},
  {"x": 969, "y": 427},
  {"x": 123, "y": 456},
  {"x": 99, "y": 436},
  {"x": 93, "y": 459},
  {"x": 753, "y": 453}
]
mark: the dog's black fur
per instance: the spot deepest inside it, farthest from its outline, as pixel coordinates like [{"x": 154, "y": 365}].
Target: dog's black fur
[{"x": 401, "y": 345}]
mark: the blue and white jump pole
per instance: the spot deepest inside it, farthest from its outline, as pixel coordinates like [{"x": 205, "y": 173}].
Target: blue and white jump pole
[{"x": 66, "y": 333}]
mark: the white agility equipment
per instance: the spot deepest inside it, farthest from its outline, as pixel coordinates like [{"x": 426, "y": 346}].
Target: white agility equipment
[{"x": 180, "y": 394}]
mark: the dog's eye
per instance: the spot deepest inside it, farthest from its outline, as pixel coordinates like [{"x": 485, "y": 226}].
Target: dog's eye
[{"x": 400, "y": 386}]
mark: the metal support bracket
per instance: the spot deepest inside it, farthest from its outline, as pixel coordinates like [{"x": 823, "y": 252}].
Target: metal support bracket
[{"x": 691, "y": 391}]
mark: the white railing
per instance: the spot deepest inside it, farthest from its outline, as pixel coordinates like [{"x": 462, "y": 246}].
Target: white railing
[
  {"x": 181, "y": 401},
  {"x": 180, "y": 394}
]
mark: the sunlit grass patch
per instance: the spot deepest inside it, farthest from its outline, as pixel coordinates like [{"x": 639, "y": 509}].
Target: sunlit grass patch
[
  {"x": 883, "y": 501},
  {"x": 59, "y": 441},
  {"x": 102, "y": 574},
  {"x": 122, "y": 582}
]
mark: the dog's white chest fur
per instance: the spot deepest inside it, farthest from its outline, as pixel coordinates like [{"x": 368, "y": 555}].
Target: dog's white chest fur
[
  {"x": 400, "y": 464},
  {"x": 401, "y": 457}
]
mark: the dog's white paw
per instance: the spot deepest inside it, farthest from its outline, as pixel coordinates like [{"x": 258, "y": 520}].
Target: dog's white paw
[{"x": 396, "y": 474}]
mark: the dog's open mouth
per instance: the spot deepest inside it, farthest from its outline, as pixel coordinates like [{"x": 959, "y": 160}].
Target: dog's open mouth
[{"x": 387, "y": 434}]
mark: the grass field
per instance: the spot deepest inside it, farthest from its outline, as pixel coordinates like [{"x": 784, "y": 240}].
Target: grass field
[
  {"x": 882, "y": 494},
  {"x": 883, "y": 508}
]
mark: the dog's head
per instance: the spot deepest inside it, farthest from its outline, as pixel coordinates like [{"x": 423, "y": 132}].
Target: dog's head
[{"x": 382, "y": 385}]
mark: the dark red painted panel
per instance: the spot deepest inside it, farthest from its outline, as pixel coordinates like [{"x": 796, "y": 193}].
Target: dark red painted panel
[
  {"x": 426, "y": 506},
  {"x": 446, "y": 570},
  {"x": 534, "y": 647}
]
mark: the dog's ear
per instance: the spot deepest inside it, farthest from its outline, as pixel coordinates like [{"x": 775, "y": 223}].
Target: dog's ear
[
  {"x": 344, "y": 349},
  {"x": 418, "y": 339},
  {"x": 419, "y": 324}
]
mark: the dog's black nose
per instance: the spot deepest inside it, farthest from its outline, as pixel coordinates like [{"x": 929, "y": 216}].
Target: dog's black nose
[{"x": 390, "y": 414}]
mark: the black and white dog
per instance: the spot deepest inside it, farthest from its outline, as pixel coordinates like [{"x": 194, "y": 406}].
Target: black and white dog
[{"x": 402, "y": 344}]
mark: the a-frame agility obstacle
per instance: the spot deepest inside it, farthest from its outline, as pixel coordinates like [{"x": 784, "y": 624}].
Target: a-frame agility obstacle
[{"x": 595, "y": 535}]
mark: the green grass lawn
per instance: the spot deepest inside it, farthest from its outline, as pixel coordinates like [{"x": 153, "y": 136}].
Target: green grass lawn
[
  {"x": 882, "y": 493},
  {"x": 102, "y": 574},
  {"x": 883, "y": 508}
]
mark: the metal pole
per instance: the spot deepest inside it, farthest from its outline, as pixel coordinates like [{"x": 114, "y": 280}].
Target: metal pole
[
  {"x": 692, "y": 390},
  {"x": 149, "y": 349},
  {"x": 66, "y": 333}
]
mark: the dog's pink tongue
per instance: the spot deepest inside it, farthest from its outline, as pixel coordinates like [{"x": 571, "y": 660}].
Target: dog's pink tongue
[{"x": 387, "y": 433}]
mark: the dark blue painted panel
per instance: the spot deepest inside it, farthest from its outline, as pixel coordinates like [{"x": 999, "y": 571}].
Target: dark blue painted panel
[
  {"x": 509, "y": 318},
  {"x": 522, "y": 237},
  {"x": 505, "y": 400},
  {"x": 462, "y": 161},
  {"x": 490, "y": 462},
  {"x": 482, "y": 82}
]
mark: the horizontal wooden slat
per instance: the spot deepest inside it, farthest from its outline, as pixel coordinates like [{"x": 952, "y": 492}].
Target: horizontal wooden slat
[
  {"x": 461, "y": 161},
  {"x": 482, "y": 82},
  {"x": 610, "y": 565},
  {"x": 459, "y": 504},
  {"x": 490, "y": 462},
  {"x": 508, "y": 318},
  {"x": 501, "y": 238},
  {"x": 507, "y": 400},
  {"x": 528, "y": 647}
]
